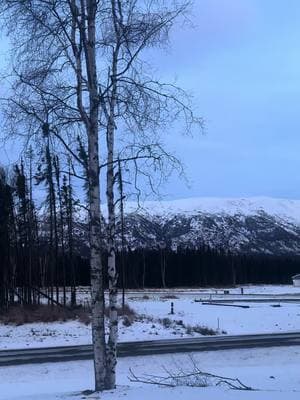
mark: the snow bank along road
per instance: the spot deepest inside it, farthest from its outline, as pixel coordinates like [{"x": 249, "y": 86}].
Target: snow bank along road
[{"x": 84, "y": 352}]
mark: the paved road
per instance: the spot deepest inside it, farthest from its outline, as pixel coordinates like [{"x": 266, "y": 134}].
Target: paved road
[{"x": 132, "y": 349}]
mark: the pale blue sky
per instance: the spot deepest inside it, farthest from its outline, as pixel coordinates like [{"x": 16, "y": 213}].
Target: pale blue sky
[{"x": 241, "y": 61}]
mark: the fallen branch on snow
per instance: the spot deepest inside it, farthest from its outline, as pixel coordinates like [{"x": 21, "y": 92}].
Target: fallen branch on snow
[{"x": 193, "y": 378}]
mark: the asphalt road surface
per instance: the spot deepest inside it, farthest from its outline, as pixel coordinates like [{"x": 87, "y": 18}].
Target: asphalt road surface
[{"x": 143, "y": 348}]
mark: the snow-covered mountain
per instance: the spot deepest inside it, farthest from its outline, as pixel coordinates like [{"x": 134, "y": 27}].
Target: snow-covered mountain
[{"x": 247, "y": 225}]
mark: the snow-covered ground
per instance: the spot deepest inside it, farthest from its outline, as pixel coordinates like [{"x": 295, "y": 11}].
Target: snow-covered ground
[
  {"x": 75, "y": 333},
  {"x": 274, "y": 372},
  {"x": 259, "y": 318},
  {"x": 155, "y": 322},
  {"x": 84, "y": 296}
]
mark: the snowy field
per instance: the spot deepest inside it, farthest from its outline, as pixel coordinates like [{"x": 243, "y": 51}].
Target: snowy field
[
  {"x": 258, "y": 318},
  {"x": 274, "y": 372},
  {"x": 83, "y": 292},
  {"x": 153, "y": 320},
  {"x": 259, "y": 290}
]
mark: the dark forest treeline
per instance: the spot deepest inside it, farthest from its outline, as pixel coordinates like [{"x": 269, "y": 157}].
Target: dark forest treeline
[
  {"x": 205, "y": 267},
  {"x": 144, "y": 268},
  {"x": 37, "y": 250},
  {"x": 43, "y": 252}
]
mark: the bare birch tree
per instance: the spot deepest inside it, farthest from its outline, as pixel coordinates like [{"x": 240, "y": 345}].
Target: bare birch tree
[
  {"x": 138, "y": 106},
  {"x": 55, "y": 59},
  {"x": 77, "y": 68}
]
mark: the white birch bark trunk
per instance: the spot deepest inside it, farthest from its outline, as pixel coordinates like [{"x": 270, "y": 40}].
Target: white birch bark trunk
[
  {"x": 111, "y": 350},
  {"x": 97, "y": 289}
]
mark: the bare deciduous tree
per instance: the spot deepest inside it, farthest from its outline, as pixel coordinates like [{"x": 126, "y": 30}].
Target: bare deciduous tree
[{"x": 77, "y": 70}]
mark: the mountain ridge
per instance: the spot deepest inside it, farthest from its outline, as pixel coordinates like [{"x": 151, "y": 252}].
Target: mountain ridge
[
  {"x": 239, "y": 225},
  {"x": 274, "y": 206}
]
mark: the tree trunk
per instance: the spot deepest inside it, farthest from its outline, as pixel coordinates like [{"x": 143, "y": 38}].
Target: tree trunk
[
  {"x": 122, "y": 255},
  {"x": 111, "y": 355},
  {"x": 97, "y": 290},
  {"x": 111, "y": 352}
]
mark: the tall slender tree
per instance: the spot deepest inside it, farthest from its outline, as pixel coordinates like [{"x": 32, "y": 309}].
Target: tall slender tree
[
  {"x": 7, "y": 241},
  {"x": 77, "y": 66}
]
